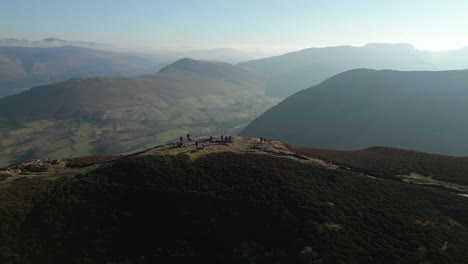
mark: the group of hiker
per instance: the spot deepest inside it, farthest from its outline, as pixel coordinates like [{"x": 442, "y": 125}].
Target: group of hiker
[
  {"x": 224, "y": 139},
  {"x": 201, "y": 143}
]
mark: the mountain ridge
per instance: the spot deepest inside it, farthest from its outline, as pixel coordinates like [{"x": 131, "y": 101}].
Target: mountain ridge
[
  {"x": 295, "y": 71},
  {"x": 24, "y": 67}
]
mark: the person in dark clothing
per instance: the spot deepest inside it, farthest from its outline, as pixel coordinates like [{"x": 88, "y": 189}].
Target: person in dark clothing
[
  {"x": 230, "y": 138},
  {"x": 196, "y": 144},
  {"x": 181, "y": 139},
  {"x": 211, "y": 139},
  {"x": 188, "y": 136},
  {"x": 261, "y": 139},
  {"x": 222, "y": 137}
]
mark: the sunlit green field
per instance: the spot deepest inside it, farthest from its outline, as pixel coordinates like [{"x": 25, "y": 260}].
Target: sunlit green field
[{"x": 130, "y": 129}]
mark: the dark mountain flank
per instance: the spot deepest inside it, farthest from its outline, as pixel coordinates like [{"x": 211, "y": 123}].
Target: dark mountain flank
[
  {"x": 239, "y": 202},
  {"x": 423, "y": 111},
  {"x": 24, "y": 67}
]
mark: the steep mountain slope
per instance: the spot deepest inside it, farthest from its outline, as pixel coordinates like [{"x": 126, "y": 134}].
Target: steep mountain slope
[
  {"x": 362, "y": 108},
  {"x": 295, "y": 71},
  {"x": 22, "y": 68},
  {"x": 110, "y": 115},
  {"x": 239, "y": 202}
]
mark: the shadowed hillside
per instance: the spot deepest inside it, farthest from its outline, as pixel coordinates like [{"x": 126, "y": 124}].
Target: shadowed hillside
[
  {"x": 361, "y": 108},
  {"x": 239, "y": 202}
]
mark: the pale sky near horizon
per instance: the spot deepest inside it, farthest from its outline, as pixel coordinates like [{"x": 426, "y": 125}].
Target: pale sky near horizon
[{"x": 429, "y": 24}]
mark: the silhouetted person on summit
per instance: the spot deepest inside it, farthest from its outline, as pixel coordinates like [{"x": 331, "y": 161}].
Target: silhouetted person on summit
[
  {"x": 181, "y": 139},
  {"x": 196, "y": 144},
  {"x": 188, "y": 137},
  {"x": 222, "y": 138}
]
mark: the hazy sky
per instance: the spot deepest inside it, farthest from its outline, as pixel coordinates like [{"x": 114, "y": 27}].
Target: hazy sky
[{"x": 427, "y": 24}]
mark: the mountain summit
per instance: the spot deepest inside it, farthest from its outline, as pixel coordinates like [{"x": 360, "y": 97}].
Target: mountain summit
[
  {"x": 236, "y": 202},
  {"x": 211, "y": 68}
]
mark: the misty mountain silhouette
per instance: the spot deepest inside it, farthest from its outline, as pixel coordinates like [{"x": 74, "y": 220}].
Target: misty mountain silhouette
[
  {"x": 22, "y": 67},
  {"x": 295, "y": 71}
]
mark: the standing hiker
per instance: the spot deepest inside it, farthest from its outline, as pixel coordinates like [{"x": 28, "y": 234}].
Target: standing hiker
[
  {"x": 181, "y": 138},
  {"x": 222, "y": 138},
  {"x": 196, "y": 144}
]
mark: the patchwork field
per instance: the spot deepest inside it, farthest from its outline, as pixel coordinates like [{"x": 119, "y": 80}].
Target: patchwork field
[{"x": 131, "y": 128}]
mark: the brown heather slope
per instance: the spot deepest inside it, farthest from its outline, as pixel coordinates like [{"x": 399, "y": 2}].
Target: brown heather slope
[
  {"x": 395, "y": 163},
  {"x": 240, "y": 202}
]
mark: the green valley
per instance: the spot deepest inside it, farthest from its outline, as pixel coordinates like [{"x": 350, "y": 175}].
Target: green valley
[{"x": 97, "y": 116}]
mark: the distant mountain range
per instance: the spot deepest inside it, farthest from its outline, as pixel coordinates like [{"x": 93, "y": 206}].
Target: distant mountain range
[
  {"x": 53, "y": 43},
  {"x": 120, "y": 113},
  {"x": 25, "y": 64},
  {"x": 105, "y": 115},
  {"x": 292, "y": 72},
  {"x": 424, "y": 111},
  {"x": 33, "y": 64},
  {"x": 22, "y": 68}
]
